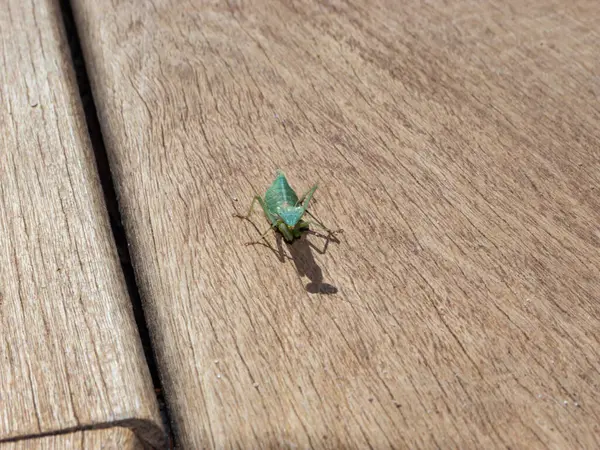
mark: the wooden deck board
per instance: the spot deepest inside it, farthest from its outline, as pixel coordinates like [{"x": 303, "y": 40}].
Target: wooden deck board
[
  {"x": 70, "y": 354},
  {"x": 455, "y": 143},
  {"x": 106, "y": 439}
]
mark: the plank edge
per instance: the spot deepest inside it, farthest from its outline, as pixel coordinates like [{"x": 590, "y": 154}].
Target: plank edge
[{"x": 146, "y": 431}]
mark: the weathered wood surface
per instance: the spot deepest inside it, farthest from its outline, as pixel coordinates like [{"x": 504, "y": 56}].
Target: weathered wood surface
[
  {"x": 70, "y": 354},
  {"x": 457, "y": 145},
  {"x": 115, "y": 438}
]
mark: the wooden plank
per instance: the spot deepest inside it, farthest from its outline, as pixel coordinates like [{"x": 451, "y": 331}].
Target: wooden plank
[
  {"x": 110, "y": 438},
  {"x": 70, "y": 354},
  {"x": 456, "y": 144}
]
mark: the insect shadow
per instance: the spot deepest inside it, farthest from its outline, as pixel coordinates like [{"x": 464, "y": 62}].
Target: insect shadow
[{"x": 301, "y": 254}]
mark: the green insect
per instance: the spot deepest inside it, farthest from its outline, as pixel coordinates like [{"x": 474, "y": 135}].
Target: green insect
[{"x": 284, "y": 210}]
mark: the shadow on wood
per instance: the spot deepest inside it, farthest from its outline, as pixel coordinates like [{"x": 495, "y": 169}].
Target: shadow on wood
[{"x": 301, "y": 251}]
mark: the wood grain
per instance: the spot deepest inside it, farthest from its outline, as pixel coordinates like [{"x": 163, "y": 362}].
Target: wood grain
[
  {"x": 456, "y": 143},
  {"x": 70, "y": 354},
  {"x": 116, "y": 438}
]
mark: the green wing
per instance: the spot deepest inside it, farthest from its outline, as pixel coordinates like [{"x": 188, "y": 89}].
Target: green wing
[{"x": 280, "y": 194}]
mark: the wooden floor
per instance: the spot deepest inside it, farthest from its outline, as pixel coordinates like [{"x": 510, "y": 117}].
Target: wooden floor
[
  {"x": 455, "y": 142},
  {"x": 107, "y": 439},
  {"x": 70, "y": 355}
]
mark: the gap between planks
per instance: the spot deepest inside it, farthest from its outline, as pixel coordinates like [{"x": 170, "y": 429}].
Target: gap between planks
[{"x": 119, "y": 235}]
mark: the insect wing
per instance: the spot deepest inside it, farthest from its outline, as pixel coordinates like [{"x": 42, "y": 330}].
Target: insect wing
[{"x": 280, "y": 193}]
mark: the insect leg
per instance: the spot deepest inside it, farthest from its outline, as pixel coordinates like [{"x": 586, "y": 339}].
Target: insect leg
[
  {"x": 318, "y": 222},
  {"x": 262, "y": 238},
  {"x": 257, "y": 198},
  {"x": 283, "y": 229},
  {"x": 307, "y": 196}
]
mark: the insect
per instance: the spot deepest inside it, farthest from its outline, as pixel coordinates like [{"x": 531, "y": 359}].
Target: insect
[{"x": 284, "y": 210}]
